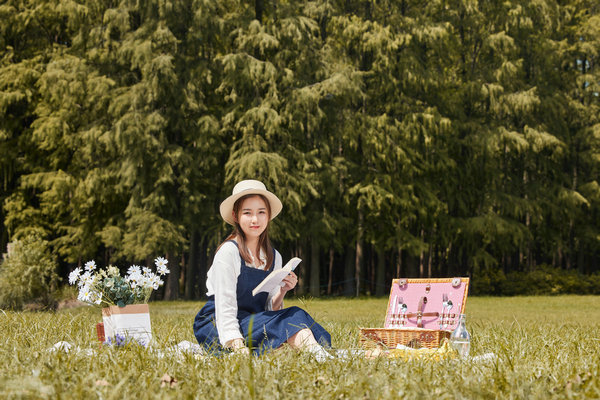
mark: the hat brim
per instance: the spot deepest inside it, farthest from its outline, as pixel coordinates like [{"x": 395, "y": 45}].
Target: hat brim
[{"x": 226, "y": 207}]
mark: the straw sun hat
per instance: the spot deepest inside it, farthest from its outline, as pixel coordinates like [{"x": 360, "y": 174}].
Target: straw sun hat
[{"x": 244, "y": 188}]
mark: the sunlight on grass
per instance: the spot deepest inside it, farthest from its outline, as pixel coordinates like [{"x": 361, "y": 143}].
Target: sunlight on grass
[{"x": 547, "y": 347}]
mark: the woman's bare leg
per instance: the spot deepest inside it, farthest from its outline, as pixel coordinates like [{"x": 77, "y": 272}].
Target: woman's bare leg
[{"x": 304, "y": 338}]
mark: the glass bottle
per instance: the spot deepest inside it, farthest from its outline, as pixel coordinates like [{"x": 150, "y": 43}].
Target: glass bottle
[{"x": 460, "y": 339}]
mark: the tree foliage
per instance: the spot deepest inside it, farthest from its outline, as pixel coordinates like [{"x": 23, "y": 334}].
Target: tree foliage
[
  {"x": 28, "y": 274},
  {"x": 404, "y": 138}
]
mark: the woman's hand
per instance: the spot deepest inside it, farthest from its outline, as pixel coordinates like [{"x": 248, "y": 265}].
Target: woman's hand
[
  {"x": 289, "y": 282},
  {"x": 242, "y": 350},
  {"x": 238, "y": 346}
]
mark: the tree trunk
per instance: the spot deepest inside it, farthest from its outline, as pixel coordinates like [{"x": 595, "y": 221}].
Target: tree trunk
[
  {"x": 204, "y": 262},
  {"x": 258, "y": 10},
  {"x": 349, "y": 271},
  {"x": 359, "y": 252},
  {"x": 323, "y": 26},
  {"x": 192, "y": 269},
  {"x": 421, "y": 256},
  {"x": 581, "y": 260},
  {"x": 380, "y": 288},
  {"x": 399, "y": 263},
  {"x": 429, "y": 259},
  {"x": 301, "y": 286},
  {"x": 449, "y": 259},
  {"x": 330, "y": 275},
  {"x": 172, "y": 286},
  {"x": 372, "y": 268},
  {"x": 315, "y": 267},
  {"x": 412, "y": 266},
  {"x": 527, "y": 224},
  {"x": 571, "y": 255},
  {"x": 3, "y": 239}
]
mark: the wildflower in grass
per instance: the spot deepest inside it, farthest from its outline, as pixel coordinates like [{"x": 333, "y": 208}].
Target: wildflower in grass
[
  {"x": 146, "y": 270},
  {"x": 117, "y": 340},
  {"x": 74, "y": 275},
  {"x": 120, "y": 340}
]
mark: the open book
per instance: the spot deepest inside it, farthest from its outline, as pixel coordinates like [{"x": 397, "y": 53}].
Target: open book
[{"x": 276, "y": 277}]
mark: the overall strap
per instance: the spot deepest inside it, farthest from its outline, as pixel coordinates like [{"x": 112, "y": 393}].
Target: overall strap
[
  {"x": 236, "y": 245},
  {"x": 243, "y": 263}
]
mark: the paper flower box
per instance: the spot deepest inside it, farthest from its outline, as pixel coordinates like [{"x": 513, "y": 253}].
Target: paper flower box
[
  {"x": 131, "y": 322},
  {"x": 420, "y": 313}
]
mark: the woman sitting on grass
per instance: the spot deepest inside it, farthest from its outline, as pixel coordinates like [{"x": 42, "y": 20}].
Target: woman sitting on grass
[{"x": 242, "y": 261}]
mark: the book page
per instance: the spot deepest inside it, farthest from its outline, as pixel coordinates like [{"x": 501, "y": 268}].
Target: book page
[{"x": 276, "y": 277}]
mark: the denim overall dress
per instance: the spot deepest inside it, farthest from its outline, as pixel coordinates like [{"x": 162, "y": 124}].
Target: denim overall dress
[{"x": 270, "y": 329}]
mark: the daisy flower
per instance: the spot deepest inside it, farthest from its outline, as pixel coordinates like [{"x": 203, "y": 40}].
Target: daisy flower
[
  {"x": 85, "y": 294},
  {"x": 135, "y": 280},
  {"x": 74, "y": 275},
  {"x": 161, "y": 265},
  {"x": 156, "y": 282},
  {"x": 85, "y": 279},
  {"x": 160, "y": 261},
  {"x": 90, "y": 265},
  {"x": 134, "y": 269},
  {"x": 147, "y": 281},
  {"x": 162, "y": 269}
]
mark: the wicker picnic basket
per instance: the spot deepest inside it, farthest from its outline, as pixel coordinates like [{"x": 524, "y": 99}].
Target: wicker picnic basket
[
  {"x": 420, "y": 313},
  {"x": 392, "y": 337}
]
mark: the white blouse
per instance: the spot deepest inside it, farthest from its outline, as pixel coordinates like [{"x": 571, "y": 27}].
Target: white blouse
[{"x": 221, "y": 282}]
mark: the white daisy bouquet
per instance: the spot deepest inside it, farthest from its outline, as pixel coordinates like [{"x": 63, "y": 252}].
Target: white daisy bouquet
[{"x": 108, "y": 288}]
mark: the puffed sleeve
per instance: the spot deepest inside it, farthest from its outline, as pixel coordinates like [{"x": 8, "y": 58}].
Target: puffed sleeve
[
  {"x": 273, "y": 293},
  {"x": 223, "y": 276}
]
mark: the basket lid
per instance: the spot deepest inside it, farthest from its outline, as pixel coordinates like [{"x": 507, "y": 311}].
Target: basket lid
[{"x": 426, "y": 303}]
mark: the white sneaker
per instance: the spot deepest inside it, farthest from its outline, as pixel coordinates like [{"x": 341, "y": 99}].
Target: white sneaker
[{"x": 319, "y": 353}]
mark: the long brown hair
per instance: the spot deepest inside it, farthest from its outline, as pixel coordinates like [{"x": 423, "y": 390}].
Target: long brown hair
[{"x": 263, "y": 240}]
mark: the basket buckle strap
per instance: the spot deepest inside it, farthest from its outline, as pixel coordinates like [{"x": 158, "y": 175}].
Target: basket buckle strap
[
  {"x": 427, "y": 314},
  {"x": 420, "y": 314}
]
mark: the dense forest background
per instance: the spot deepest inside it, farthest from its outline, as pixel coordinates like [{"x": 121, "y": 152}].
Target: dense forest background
[{"x": 405, "y": 138}]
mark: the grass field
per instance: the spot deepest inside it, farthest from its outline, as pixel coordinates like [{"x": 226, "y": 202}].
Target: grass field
[{"x": 547, "y": 347}]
